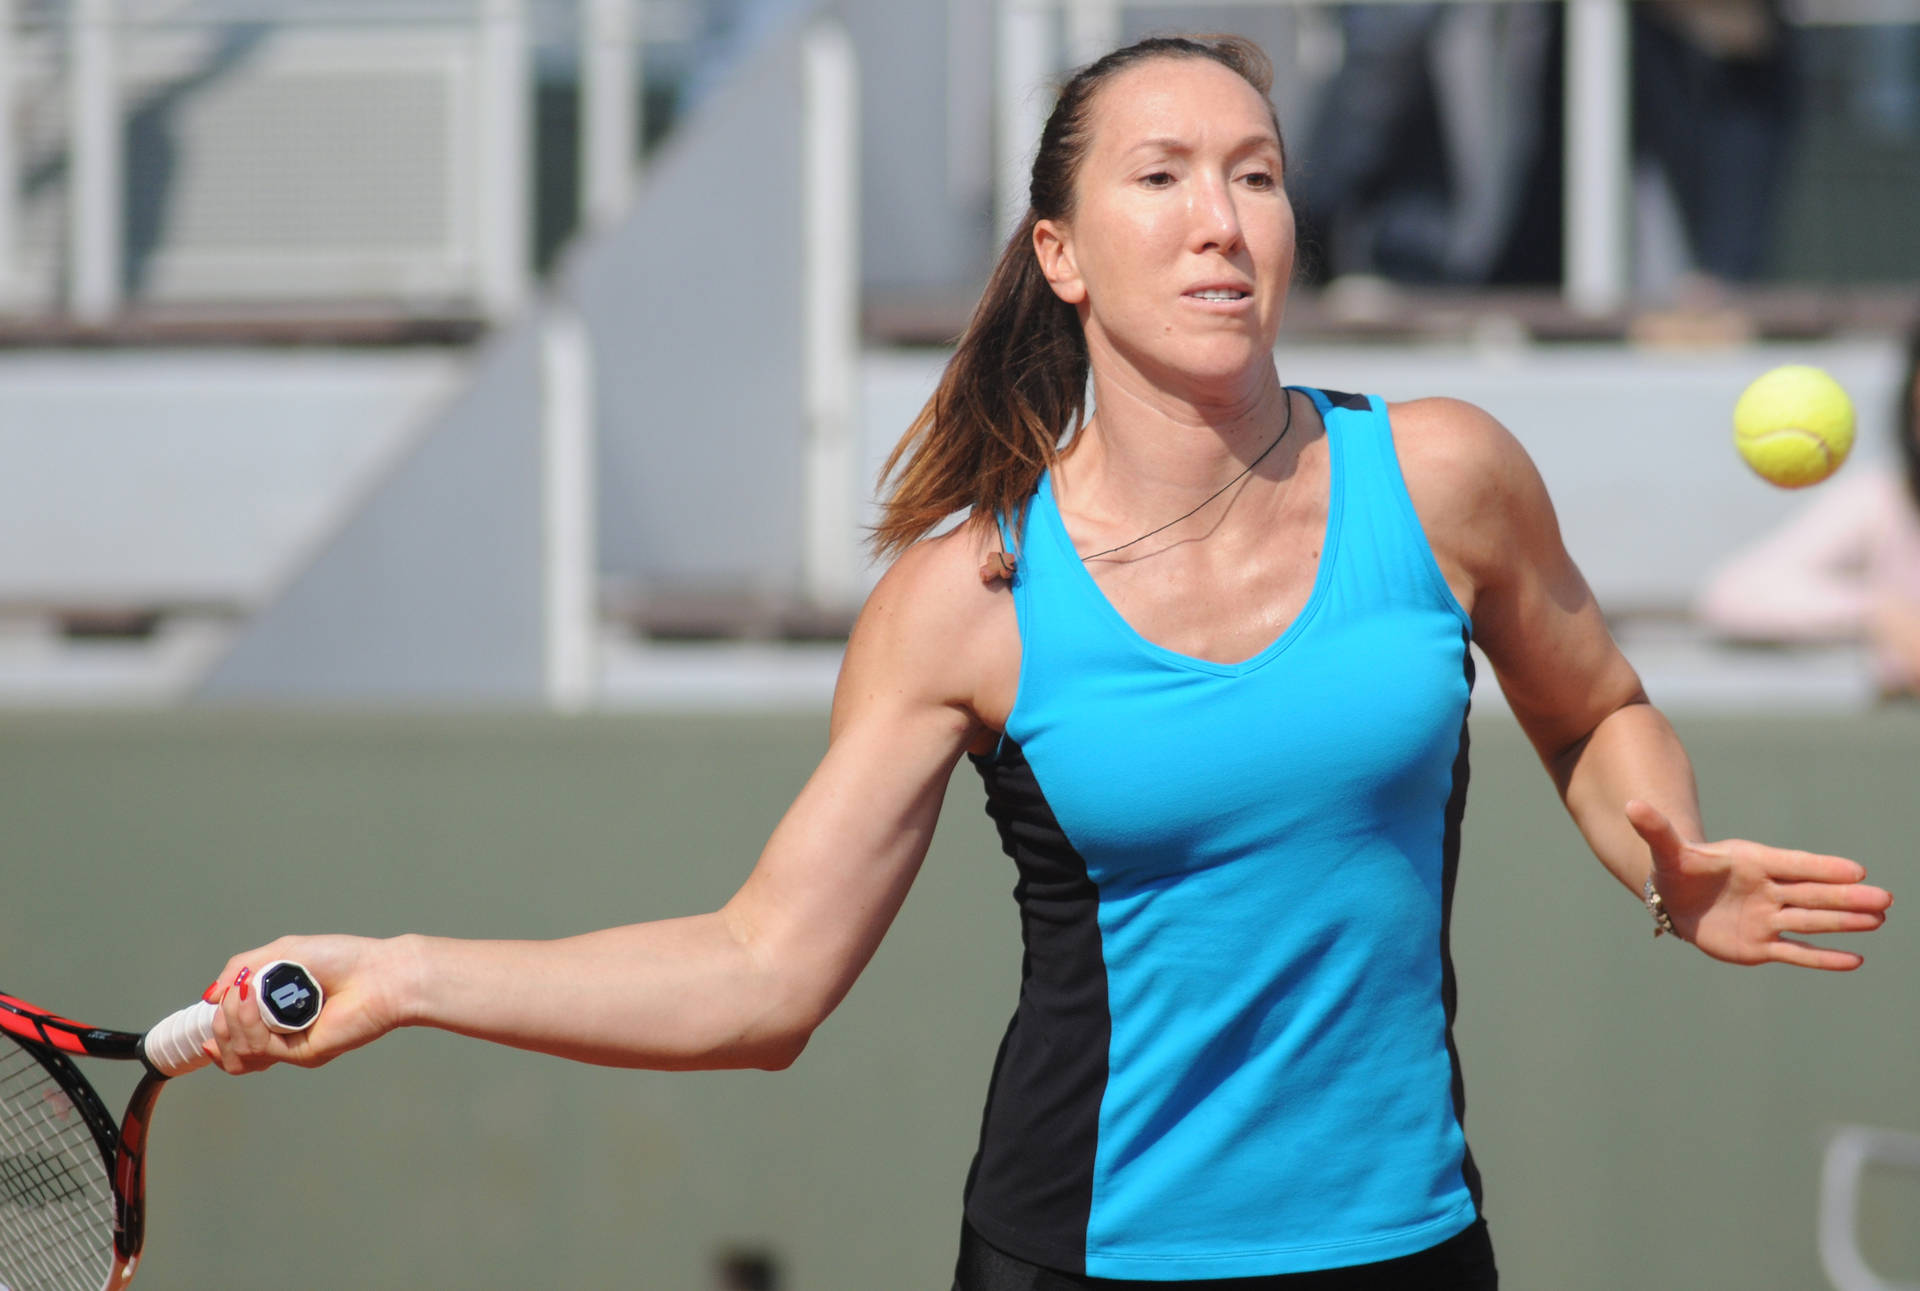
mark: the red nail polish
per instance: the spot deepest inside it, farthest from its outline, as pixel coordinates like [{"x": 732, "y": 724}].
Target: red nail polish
[
  {"x": 241, "y": 981},
  {"x": 212, "y": 996}
]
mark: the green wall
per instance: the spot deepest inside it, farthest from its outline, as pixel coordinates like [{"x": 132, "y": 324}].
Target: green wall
[{"x": 1645, "y": 1118}]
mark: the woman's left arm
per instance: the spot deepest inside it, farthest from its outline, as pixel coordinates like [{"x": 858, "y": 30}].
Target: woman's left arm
[{"x": 1619, "y": 768}]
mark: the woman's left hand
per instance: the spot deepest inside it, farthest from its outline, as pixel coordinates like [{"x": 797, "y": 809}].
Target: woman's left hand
[{"x": 1742, "y": 902}]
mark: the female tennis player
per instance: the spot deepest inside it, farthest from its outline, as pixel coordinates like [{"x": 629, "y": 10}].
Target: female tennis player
[{"x": 1208, "y": 652}]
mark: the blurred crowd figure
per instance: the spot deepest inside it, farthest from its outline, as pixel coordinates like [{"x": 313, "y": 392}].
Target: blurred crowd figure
[
  {"x": 1844, "y": 568},
  {"x": 1434, "y": 154},
  {"x": 1423, "y": 140},
  {"x": 1714, "y": 98}
]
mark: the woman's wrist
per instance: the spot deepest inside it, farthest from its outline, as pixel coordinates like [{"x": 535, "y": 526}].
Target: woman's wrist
[
  {"x": 1657, "y": 907},
  {"x": 404, "y": 976}
]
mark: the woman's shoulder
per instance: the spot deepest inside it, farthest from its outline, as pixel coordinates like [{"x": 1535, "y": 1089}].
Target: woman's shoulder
[
  {"x": 934, "y": 642},
  {"x": 1451, "y": 428},
  {"x": 1455, "y": 455},
  {"x": 946, "y": 572},
  {"x": 1480, "y": 501},
  {"x": 939, "y": 630},
  {"x": 940, "y": 610},
  {"x": 1433, "y": 434}
]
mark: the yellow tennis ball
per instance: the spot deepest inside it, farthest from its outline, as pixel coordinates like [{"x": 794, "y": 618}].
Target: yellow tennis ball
[{"x": 1794, "y": 426}]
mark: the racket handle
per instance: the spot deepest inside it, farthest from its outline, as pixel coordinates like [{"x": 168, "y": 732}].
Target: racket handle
[
  {"x": 173, "y": 1047},
  {"x": 289, "y": 999}
]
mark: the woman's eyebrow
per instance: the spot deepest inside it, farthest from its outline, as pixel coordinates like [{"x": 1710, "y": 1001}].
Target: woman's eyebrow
[
  {"x": 1161, "y": 143},
  {"x": 1180, "y": 147},
  {"x": 1253, "y": 142}
]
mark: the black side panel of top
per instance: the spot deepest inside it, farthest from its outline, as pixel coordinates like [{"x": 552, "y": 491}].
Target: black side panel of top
[
  {"x": 1030, "y": 1191},
  {"x": 1356, "y": 402},
  {"x": 1449, "y": 989}
]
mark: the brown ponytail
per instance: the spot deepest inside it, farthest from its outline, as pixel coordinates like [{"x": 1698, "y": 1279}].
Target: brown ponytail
[{"x": 1017, "y": 383}]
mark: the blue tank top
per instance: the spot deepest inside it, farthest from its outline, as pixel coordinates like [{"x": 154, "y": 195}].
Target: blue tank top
[{"x": 1232, "y": 1054}]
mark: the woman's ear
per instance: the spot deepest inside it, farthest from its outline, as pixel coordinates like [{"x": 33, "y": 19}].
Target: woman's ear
[{"x": 1055, "y": 253}]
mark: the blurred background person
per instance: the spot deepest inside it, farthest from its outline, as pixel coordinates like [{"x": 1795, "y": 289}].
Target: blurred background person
[
  {"x": 1845, "y": 568},
  {"x": 1424, "y": 140},
  {"x": 1715, "y": 93}
]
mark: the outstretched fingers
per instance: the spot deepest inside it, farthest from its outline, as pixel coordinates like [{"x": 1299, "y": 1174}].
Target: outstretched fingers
[
  {"x": 1861, "y": 897},
  {"x": 1799, "y": 953},
  {"x": 1786, "y": 866},
  {"x": 1793, "y": 919},
  {"x": 1829, "y": 898}
]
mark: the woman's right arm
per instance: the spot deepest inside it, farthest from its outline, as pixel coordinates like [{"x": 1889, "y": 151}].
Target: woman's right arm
[{"x": 743, "y": 986}]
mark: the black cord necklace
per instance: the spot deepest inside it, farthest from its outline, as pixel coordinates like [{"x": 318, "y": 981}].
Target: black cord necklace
[{"x": 1287, "y": 426}]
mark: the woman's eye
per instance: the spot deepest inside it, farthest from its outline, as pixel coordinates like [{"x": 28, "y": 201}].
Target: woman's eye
[
  {"x": 1260, "y": 179},
  {"x": 1158, "y": 179}
]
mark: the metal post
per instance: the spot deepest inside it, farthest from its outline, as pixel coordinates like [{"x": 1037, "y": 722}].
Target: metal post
[
  {"x": 10, "y": 284},
  {"x": 636, "y": 67},
  {"x": 570, "y": 612},
  {"x": 1599, "y": 155},
  {"x": 608, "y": 97},
  {"x": 505, "y": 130},
  {"x": 95, "y": 203},
  {"x": 1027, "y": 65},
  {"x": 1093, "y": 28},
  {"x": 830, "y": 287}
]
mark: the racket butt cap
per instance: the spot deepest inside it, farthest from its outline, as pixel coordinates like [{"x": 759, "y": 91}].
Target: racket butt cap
[{"x": 289, "y": 1000}]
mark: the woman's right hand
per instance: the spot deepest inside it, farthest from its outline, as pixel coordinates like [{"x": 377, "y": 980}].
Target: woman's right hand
[{"x": 363, "y": 980}]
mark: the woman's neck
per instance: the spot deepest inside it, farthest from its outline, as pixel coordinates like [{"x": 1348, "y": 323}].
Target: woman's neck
[{"x": 1147, "y": 451}]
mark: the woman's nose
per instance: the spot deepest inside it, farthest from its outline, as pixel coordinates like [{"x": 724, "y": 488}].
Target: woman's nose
[{"x": 1216, "y": 222}]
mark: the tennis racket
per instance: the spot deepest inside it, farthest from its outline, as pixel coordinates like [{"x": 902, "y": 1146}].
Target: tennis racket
[{"x": 73, "y": 1183}]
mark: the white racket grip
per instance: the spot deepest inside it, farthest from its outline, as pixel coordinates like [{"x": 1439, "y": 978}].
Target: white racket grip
[
  {"x": 174, "y": 1045},
  {"x": 289, "y": 1000}
]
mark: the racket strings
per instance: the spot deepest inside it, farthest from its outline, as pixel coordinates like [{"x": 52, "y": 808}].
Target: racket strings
[{"x": 56, "y": 1203}]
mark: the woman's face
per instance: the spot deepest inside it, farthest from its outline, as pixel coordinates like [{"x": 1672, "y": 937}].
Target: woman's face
[{"x": 1179, "y": 249}]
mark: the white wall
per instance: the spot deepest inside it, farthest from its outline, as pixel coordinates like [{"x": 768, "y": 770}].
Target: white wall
[{"x": 191, "y": 477}]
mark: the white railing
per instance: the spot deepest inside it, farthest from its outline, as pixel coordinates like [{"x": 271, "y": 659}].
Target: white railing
[
  {"x": 1039, "y": 38},
  {"x": 610, "y": 94},
  {"x": 73, "y": 76}
]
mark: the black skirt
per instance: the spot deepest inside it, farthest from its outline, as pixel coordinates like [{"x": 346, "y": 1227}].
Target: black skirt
[{"x": 1463, "y": 1262}]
